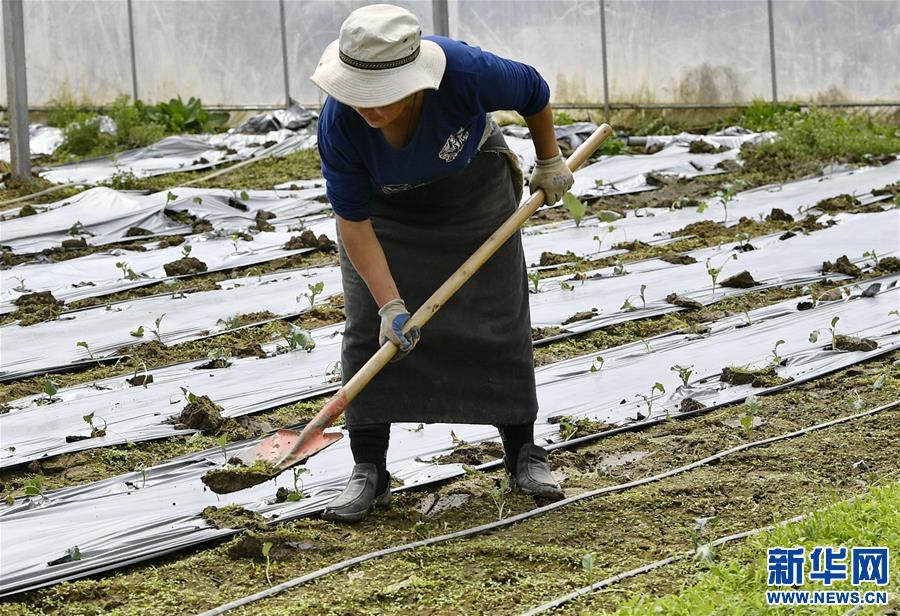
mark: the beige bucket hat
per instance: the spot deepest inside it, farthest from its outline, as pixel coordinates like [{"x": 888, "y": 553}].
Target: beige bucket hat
[{"x": 379, "y": 58}]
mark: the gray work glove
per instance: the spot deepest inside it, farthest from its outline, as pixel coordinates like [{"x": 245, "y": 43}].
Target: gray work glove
[
  {"x": 553, "y": 177},
  {"x": 393, "y": 317}
]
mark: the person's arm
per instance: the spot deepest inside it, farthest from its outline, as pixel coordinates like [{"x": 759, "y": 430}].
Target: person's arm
[
  {"x": 367, "y": 257},
  {"x": 540, "y": 125}
]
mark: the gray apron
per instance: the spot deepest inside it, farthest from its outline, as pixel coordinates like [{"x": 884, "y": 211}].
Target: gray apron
[{"x": 474, "y": 362}]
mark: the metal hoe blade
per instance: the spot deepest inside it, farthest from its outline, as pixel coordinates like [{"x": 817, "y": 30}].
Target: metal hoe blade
[{"x": 285, "y": 448}]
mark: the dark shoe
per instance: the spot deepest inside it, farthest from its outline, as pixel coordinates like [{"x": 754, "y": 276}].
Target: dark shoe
[
  {"x": 358, "y": 498},
  {"x": 532, "y": 473}
]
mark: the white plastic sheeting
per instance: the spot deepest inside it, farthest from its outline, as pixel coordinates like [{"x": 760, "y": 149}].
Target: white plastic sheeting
[
  {"x": 135, "y": 414},
  {"x": 141, "y": 515},
  {"x": 42, "y": 141}
]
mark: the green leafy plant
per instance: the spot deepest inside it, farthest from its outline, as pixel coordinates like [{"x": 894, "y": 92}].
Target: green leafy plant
[
  {"x": 49, "y": 389},
  {"x": 575, "y": 207},
  {"x": 314, "y": 290},
  {"x": 619, "y": 268},
  {"x": 597, "y": 364},
  {"x": 628, "y": 306},
  {"x": 726, "y": 196},
  {"x": 648, "y": 399},
  {"x": 34, "y": 486},
  {"x": 85, "y": 346},
  {"x": 753, "y": 406},
  {"x": 535, "y": 278},
  {"x": 230, "y": 323},
  {"x": 156, "y": 331},
  {"x": 776, "y": 358},
  {"x": 743, "y": 240},
  {"x": 180, "y": 117},
  {"x": 170, "y": 196},
  {"x": 715, "y": 271},
  {"x": 186, "y": 251},
  {"x": 21, "y": 288},
  {"x": 188, "y": 395},
  {"x": 78, "y": 229},
  {"x": 683, "y": 372},
  {"x": 871, "y": 254},
  {"x": 565, "y": 286},
  {"x": 96, "y": 432},
  {"x": 702, "y": 207},
  {"x": 299, "y": 338},
  {"x": 138, "y": 333},
  {"x": 599, "y": 239},
  {"x": 587, "y": 565},
  {"x": 703, "y": 550},
  {"x": 297, "y": 494},
  {"x": 222, "y": 441},
  {"x": 884, "y": 373},
  {"x": 814, "y": 335},
  {"x": 498, "y": 496},
  {"x": 127, "y": 272},
  {"x": 266, "y": 548}
]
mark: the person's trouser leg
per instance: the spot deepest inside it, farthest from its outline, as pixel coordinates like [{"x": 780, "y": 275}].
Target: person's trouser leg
[
  {"x": 369, "y": 444},
  {"x": 527, "y": 463}
]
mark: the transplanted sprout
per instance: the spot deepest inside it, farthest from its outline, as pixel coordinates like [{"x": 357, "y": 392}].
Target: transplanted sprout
[
  {"x": 754, "y": 406},
  {"x": 498, "y": 495},
  {"x": 628, "y": 306},
  {"x": 314, "y": 290},
  {"x": 575, "y": 207},
  {"x": 776, "y": 358},
  {"x": 223, "y": 442},
  {"x": 127, "y": 272},
  {"x": 684, "y": 373},
  {"x": 565, "y": 286},
  {"x": 619, "y": 268},
  {"x": 186, "y": 251},
  {"x": 95, "y": 431},
  {"x": 155, "y": 332},
  {"x": 714, "y": 272},
  {"x": 266, "y": 548},
  {"x": 50, "y": 388},
  {"x": 34, "y": 486},
  {"x": 648, "y": 399},
  {"x": 138, "y": 333},
  {"x": 299, "y": 338},
  {"x": 587, "y": 564},
  {"x": 170, "y": 196},
  {"x": 535, "y": 278},
  {"x": 597, "y": 364}
]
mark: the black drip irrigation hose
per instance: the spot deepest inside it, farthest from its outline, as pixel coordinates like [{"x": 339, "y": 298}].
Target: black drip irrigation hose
[{"x": 345, "y": 564}]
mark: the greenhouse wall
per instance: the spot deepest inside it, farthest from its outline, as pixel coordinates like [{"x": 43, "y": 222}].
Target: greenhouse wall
[{"x": 229, "y": 52}]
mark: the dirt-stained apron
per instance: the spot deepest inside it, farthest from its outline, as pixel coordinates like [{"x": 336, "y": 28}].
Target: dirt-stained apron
[{"x": 474, "y": 362}]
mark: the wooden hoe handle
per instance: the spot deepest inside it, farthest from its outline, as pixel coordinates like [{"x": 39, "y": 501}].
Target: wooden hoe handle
[{"x": 348, "y": 392}]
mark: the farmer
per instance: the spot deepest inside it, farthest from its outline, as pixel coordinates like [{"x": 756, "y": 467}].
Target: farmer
[{"x": 419, "y": 177}]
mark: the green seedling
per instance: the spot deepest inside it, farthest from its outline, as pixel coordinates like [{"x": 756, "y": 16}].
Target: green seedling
[
  {"x": 235, "y": 239},
  {"x": 266, "y": 548},
  {"x": 648, "y": 399},
  {"x": 498, "y": 495},
  {"x": 198, "y": 200},
  {"x": 714, "y": 272},
  {"x": 871, "y": 254},
  {"x": 230, "y": 323},
  {"x": 138, "y": 333},
  {"x": 142, "y": 469},
  {"x": 170, "y": 196},
  {"x": 587, "y": 564},
  {"x": 535, "y": 278},
  {"x": 748, "y": 319},
  {"x": 245, "y": 195},
  {"x": 95, "y": 431},
  {"x": 78, "y": 229},
  {"x": 299, "y": 338},
  {"x": 894, "y": 313},
  {"x": 754, "y": 406},
  {"x": 127, "y": 272},
  {"x": 743, "y": 240},
  {"x": 628, "y": 306},
  {"x": 255, "y": 271},
  {"x": 156, "y": 331},
  {"x": 565, "y": 286},
  {"x": 575, "y": 207},
  {"x": 814, "y": 335},
  {"x": 34, "y": 486},
  {"x": 884, "y": 373},
  {"x": 186, "y": 251},
  {"x": 600, "y": 239},
  {"x": 50, "y": 388},
  {"x": 297, "y": 494},
  {"x": 188, "y": 396},
  {"x": 84, "y": 345},
  {"x": 334, "y": 373},
  {"x": 21, "y": 288},
  {"x": 776, "y": 358},
  {"x": 619, "y": 268},
  {"x": 703, "y": 551},
  {"x": 222, "y": 441},
  {"x": 684, "y": 373},
  {"x": 702, "y": 207},
  {"x": 597, "y": 364},
  {"x": 314, "y": 290},
  {"x": 726, "y": 196}
]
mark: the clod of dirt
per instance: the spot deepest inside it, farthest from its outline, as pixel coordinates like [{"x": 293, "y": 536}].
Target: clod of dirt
[
  {"x": 763, "y": 377},
  {"x": 729, "y": 164},
  {"x": 698, "y": 146},
  {"x": 241, "y": 428},
  {"x": 570, "y": 428},
  {"x": 74, "y": 244},
  {"x": 872, "y": 290},
  {"x": 634, "y": 246},
  {"x": 744, "y": 247},
  {"x": 201, "y": 226},
  {"x": 779, "y": 215},
  {"x": 841, "y": 266},
  {"x": 683, "y": 302},
  {"x": 851, "y": 343},
  {"x": 740, "y": 281},
  {"x": 581, "y": 316},
  {"x": 539, "y": 333},
  {"x": 689, "y": 404},
  {"x": 833, "y": 205},
  {"x": 172, "y": 240},
  {"x": 888, "y": 265},
  {"x": 26, "y": 210},
  {"x": 185, "y": 266},
  {"x": 75, "y": 438},
  {"x": 805, "y": 305},
  {"x": 677, "y": 259},
  {"x": 831, "y": 295},
  {"x": 656, "y": 147},
  {"x": 473, "y": 455},
  {"x": 658, "y": 179},
  {"x": 253, "y": 350},
  {"x": 890, "y": 189},
  {"x": 262, "y": 218},
  {"x": 140, "y": 380},
  {"x": 704, "y": 229},
  {"x": 553, "y": 258},
  {"x": 137, "y": 232},
  {"x": 214, "y": 364},
  {"x": 41, "y": 298},
  {"x": 787, "y": 236},
  {"x": 308, "y": 239},
  {"x": 233, "y": 516},
  {"x": 201, "y": 414},
  {"x": 282, "y": 494},
  {"x": 236, "y": 476}
]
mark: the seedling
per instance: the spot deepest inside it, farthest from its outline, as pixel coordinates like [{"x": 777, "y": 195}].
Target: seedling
[
  {"x": 197, "y": 200},
  {"x": 628, "y": 306},
  {"x": 702, "y": 207},
  {"x": 84, "y": 344},
  {"x": 597, "y": 364},
  {"x": 565, "y": 286},
  {"x": 230, "y": 323},
  {"x": 498, "y": 495},
  {"x": 138, "y": 333},
  {"x": 334, "y": 373},
  {"x": 600, "y": 239},
  {"x": 648, "y": 399},
  {"x": 776, "y": 358},
  {"x": 575, "y": 207},
  {"x": 21, "y": 288},
  {"x": 871, "y": 254},
  {"x": 235, "y": 238},
  {"x": 95, "y": 431},
  {"x": 747, "y": 317},
  {"x": 34, "y": 486},
  {"x": 219, "y": 353},
  {"x": 266, "y": 548},
  {"x": 814, "y": 335},
  {"x": 186, "y": 251},
  {"x": 884, "y": 374},
  {"x": 245, "y": 195},
  {"x": 170, "y": 196},
  {"x": 257, "y": 271},
  {"x": 754, "y": 406},
  {"x": 142, "y": 469},
  {"x": 587, "y": 564},
  {"x": 78, "y": 229},
  {"x": 703, "y": 551},
  {"x": 314, "y": 290},
  {"x": 50, "y": 388},
  {"x": 714, "y": 272},
  {"x": 156, "y": 331},
  {"x": 127, "y": 272},
  {"x": 297, "y": 494},
  {"x": 146, "y": 374},
  {"x": 743, "y": 240},
  {"x": 299, "y": 338},
  {"x": 535, "y": 278},
  {"x": 188, "y": 396},
  {"x": 726, "y": 196},
  {"x": 619, "y": 268},
  {"x": 222, "y": 442},
  {"x": 684, "y": 373}
]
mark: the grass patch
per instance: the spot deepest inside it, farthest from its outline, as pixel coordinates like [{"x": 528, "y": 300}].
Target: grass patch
[{"x": 740, "y": 581}]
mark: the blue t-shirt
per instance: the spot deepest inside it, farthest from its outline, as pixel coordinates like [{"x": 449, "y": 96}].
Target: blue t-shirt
[{"x": 355, "y": 155}]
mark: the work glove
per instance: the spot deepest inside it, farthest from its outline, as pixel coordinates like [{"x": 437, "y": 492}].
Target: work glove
[
  {"x": 553, "y": 177},
  {"x": 393, "y": 317}
]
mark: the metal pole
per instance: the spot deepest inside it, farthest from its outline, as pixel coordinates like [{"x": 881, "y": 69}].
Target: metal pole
[
  {"x": 772, "y": 55},
  {"x": 441, "y": 17},
  {"x": 16, "y": 89},
  {"x": 284, "y": 56},
  {"x": 605, "y": 71},
  {"x": 134, "y": 90}
]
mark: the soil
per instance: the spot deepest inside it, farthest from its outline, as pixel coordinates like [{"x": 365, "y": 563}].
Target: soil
[
  {"x": 539, "y": 333},
  {"x": 698, "y": 146},
  {"x": 185, "y": 266},
  {"x": 472, "y": 455},
  {"x": 763, "y": 377},
  {"x": 742, "y": 280},
  {"x": 552, "y": 258},
  {"x": 236, "y": 476},
  {"x": 137, "y": 232},
  {"x": 200, "y": 414},
  {"x": 140, "y": 380},
  {"x": 41, "y": 298},
  {"x": 851, "y": 343},
  {"x": 73, "y": 244},
  {"x": 834, "y": 205},
  {"x": 581, "y": 316},
  {"x": 888, "y": 265},
  {"x": 779, "y": 215},
  {"x": 308, "y": 239},
  {"x": 26, "y": 210},
  {"x": 233, "y": 516},
  {"x": 677, "y": 259},
  {"x": 683, "y": 302},
  {"x": 841, "y": 266}
]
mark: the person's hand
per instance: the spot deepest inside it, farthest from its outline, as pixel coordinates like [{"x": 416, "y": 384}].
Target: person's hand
[
  {"x": 553, "y": 177},
  {"x": 393, "y": 317}
]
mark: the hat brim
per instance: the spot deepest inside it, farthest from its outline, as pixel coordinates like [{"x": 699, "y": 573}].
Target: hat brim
[{"x": 376, "y": 88}]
